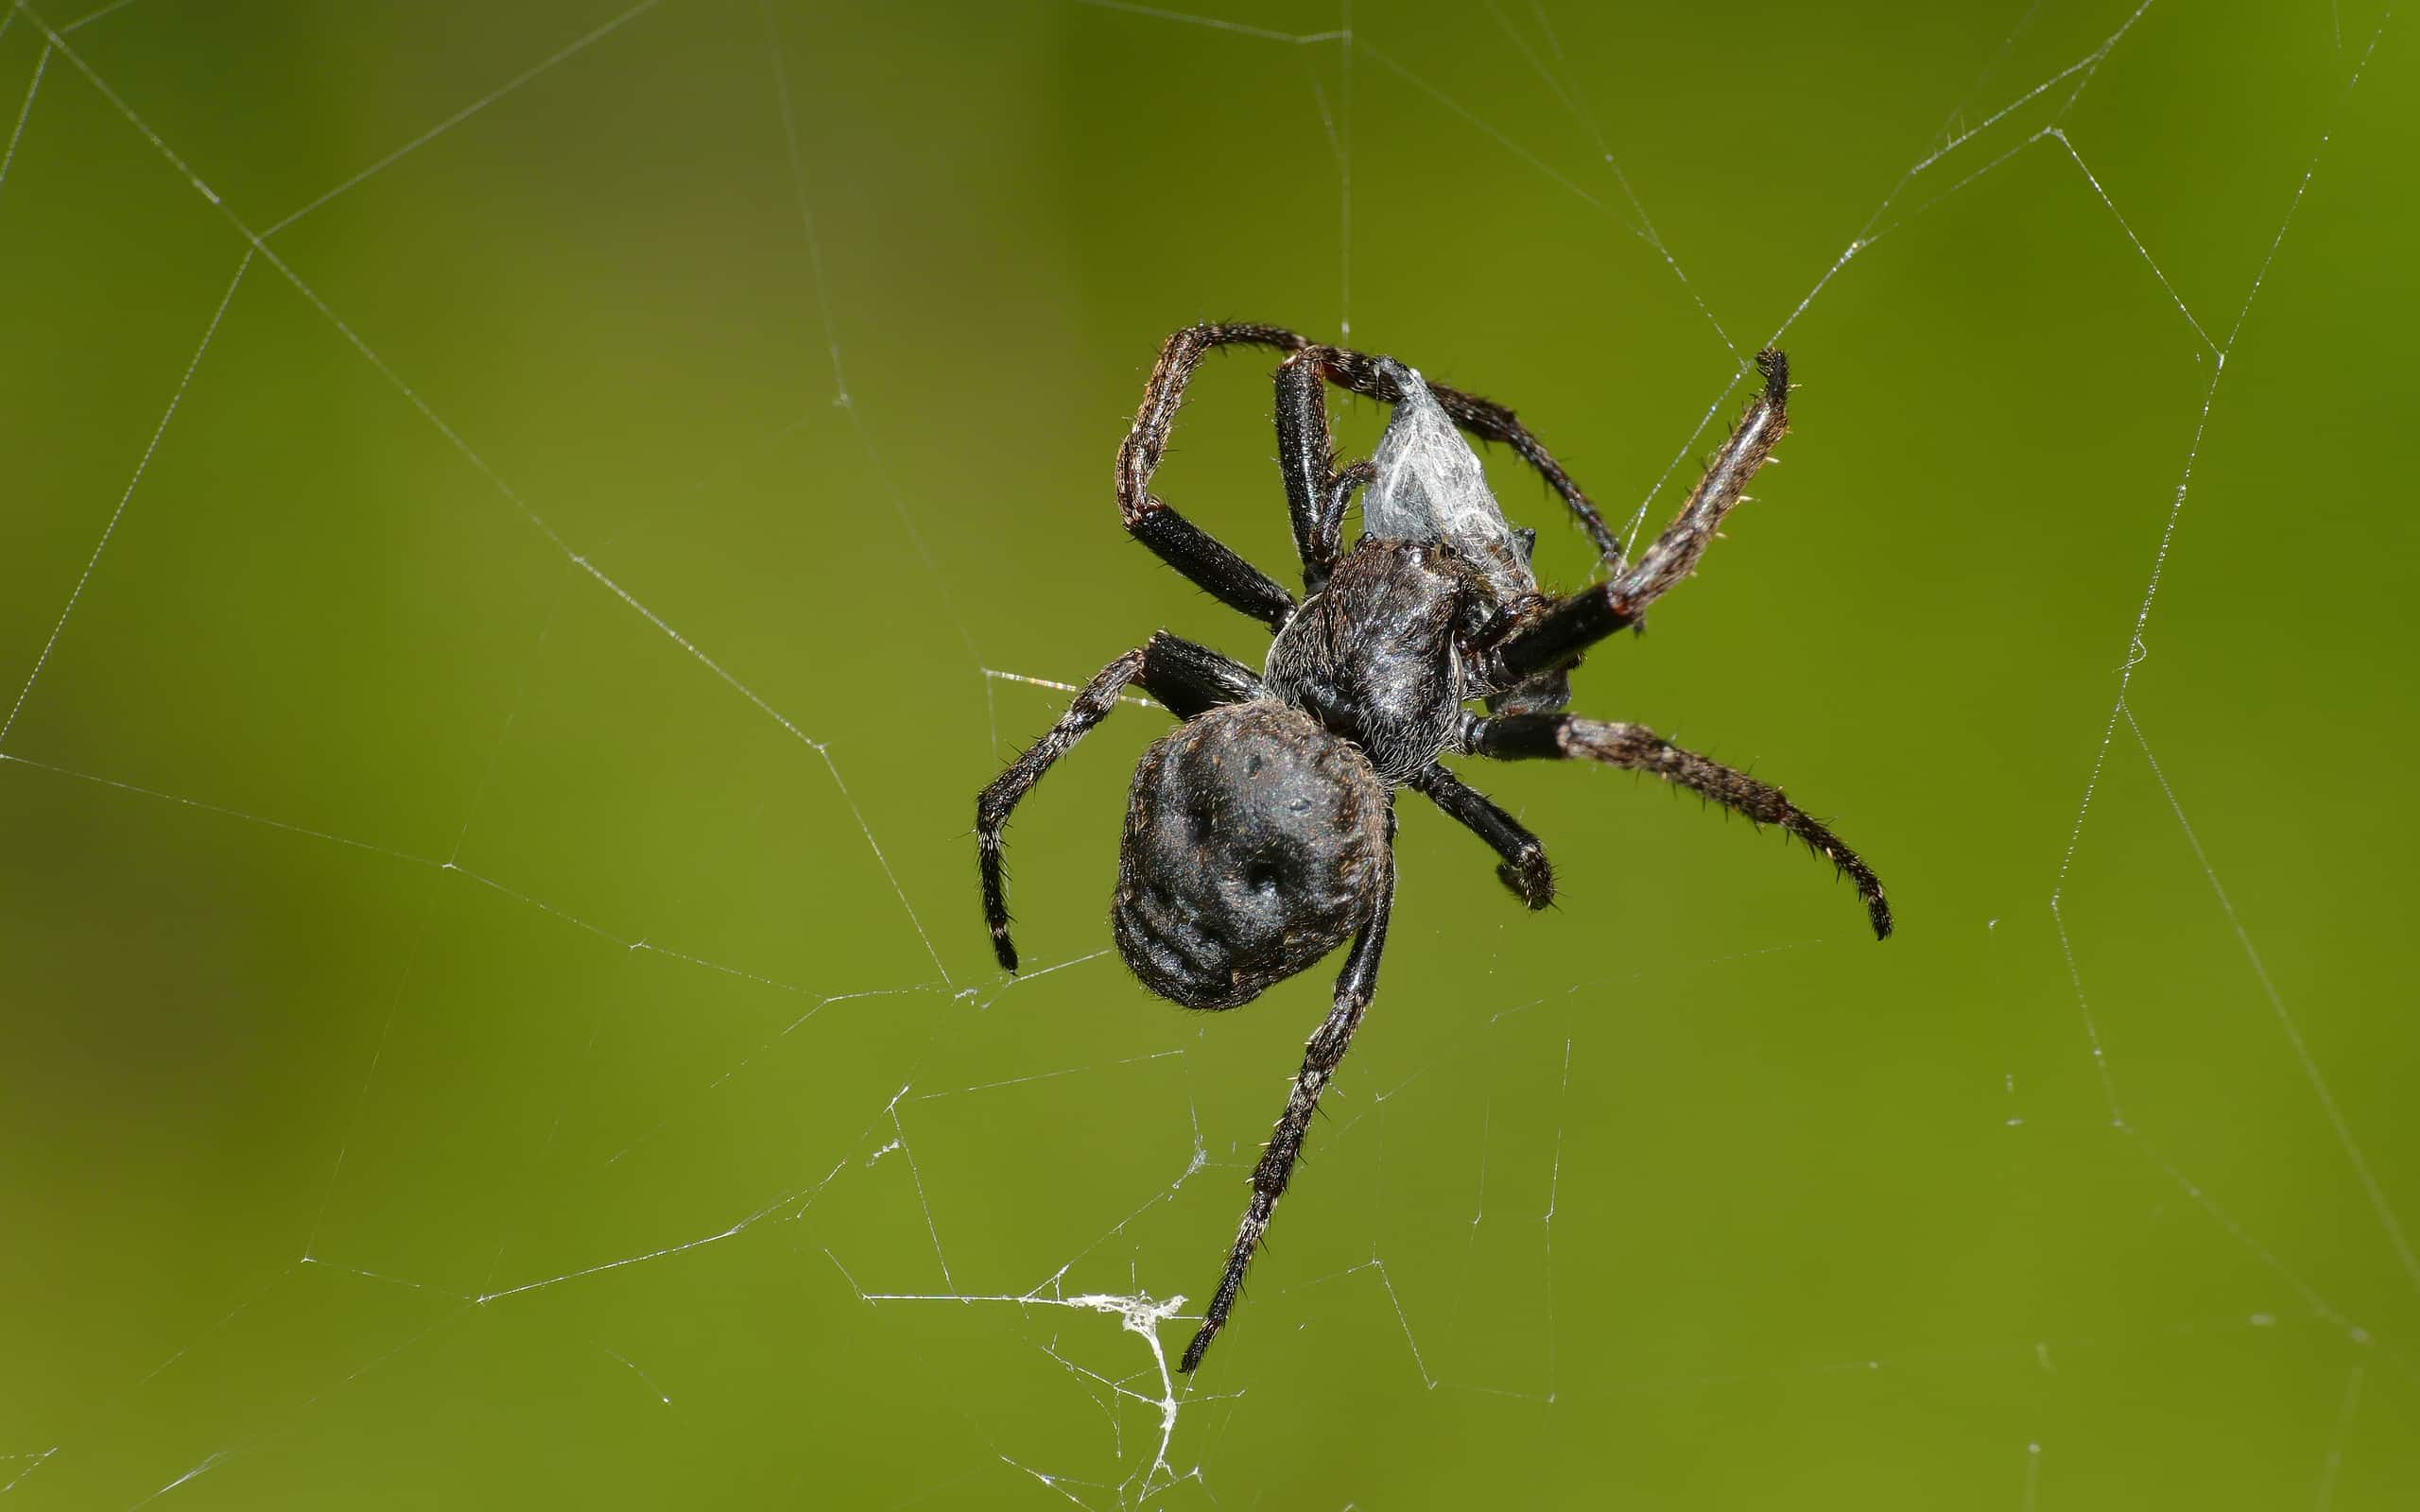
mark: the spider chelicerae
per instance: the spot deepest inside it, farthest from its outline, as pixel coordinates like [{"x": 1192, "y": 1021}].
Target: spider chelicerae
[{"x": 1259, "y": 833}]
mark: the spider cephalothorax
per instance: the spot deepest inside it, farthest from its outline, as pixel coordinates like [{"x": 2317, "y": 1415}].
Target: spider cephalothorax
[{"x": 1260, "y": 833}]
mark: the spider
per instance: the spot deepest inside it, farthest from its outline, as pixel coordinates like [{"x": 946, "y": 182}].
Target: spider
[{"x": 1259, "y": 833}]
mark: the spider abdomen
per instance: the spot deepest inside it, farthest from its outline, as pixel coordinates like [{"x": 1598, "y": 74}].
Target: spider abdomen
[
  {"x": 1251, "y": 835},
  {"x": 1373, "y": 658}
]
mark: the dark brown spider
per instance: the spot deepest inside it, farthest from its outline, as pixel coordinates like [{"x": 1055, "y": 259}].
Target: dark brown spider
[{"x": 1259, "y": 833}]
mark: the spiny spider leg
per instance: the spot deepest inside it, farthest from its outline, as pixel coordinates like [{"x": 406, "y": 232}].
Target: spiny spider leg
[
  {"x": 1180, "y": 542},
  {"x": 1185, "y": 677},
  {"x": 1525, "y": 869},
  {"x": 1556, "y": 638},
  {"x": 1320, "y": 1055},
  {"x": 1567, "y": 737}
]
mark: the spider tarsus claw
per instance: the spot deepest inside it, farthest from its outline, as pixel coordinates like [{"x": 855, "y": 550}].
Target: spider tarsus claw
[
  {"x": 1532, "y": 883},
  {"x": 1005, "y": 951},
  {"x": 1194, "y": 1352}
]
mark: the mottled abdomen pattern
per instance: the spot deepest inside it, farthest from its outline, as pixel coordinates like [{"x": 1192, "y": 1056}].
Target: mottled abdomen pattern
[{"x": 1251, "y": 837}]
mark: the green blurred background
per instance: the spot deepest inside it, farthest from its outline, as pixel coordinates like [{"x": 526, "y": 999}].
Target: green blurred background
[{"x": 487, "y": 927}]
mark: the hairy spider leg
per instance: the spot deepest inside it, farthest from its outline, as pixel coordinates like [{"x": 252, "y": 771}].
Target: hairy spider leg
[
  {"x": 1191, "y": 678},
  {"x": 1184, "y": 545},
  {"x": 1306, "y": 456},
  {"x": 1322, "y": 1054},
  {"x": 1556, "y": 638},
  {"x": 1317, "y": 491},
  {"x": 1186, "y": 677},
  {"x": 1567, "y": 737},
  {"x": 1525, "y": 868}
]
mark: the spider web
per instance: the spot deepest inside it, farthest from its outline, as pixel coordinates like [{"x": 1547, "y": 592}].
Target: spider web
[{"x": 526, "y": 531}]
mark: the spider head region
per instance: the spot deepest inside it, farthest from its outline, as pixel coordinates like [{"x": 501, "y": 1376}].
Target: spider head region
[{"x": 1251, "y": 835}]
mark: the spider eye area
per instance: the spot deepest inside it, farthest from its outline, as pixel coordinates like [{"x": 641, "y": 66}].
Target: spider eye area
[{"x": 1251, "y": 837}]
